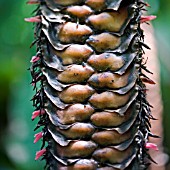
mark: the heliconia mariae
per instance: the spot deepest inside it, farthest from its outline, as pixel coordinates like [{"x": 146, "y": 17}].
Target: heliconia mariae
[{"x": 90, "y": 92}]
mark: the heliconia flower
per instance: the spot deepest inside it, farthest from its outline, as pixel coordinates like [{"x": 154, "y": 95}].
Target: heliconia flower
[
  {"x": 40, "y": 153},
  {"x": 38, "y": 136},
  {"x": 33, "y": 19},
  {"x": 151, "y": 146},
  {"x": 37, "y": 113},
  {"x": 82, "y": 62},
  {"x": 147, "y": 18},
  {"x": 34, "y": 59},
  {"x": 33, "y": 2}
]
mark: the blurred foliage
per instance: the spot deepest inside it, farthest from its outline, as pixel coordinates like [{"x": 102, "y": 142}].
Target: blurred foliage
[
  {"x": 162, "y": 24},
  {"x": 16, "y": 128},
  {"x": 162, "y": 32}
]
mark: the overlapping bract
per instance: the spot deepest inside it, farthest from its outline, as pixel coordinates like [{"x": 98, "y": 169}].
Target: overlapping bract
[{"x": 89, "y": 60}]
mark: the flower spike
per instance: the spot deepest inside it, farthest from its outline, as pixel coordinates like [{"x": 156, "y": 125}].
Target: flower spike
[{"x": 86, "y": 63}]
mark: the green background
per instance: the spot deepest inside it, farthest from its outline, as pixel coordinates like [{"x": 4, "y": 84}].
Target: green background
[{"x": 17, "y": 150}]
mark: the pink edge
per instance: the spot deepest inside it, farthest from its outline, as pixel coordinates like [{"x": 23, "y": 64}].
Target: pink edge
[
  {"x": 148, "y": 5},
  {"x": 38, "y": 136},
  {"x": 147, "y": 18},
  {"x": 34, "y": 59},
  {"x": 147, "y": 80},
  {"x": 40, "y": 153},
  {"x": 33, "y": 19},
  {"x": 37, "y": 113},
  {"x": 151, "y": 146},
  {"x": 33, "y": 2},
  {"x": 32, "y": 84}
]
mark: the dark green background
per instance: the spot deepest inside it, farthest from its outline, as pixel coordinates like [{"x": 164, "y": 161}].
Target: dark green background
[{"x": 16, "y": 128}]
